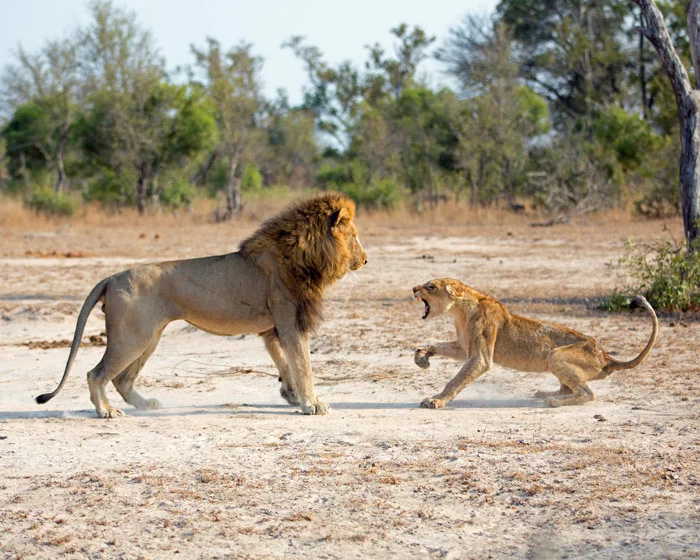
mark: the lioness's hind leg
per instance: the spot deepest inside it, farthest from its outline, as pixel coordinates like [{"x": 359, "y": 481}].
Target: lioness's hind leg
[
  {"x": 274, "y": 348},
  {"x": 124, "y": 382},
  {"x": 570, "y": 367}
]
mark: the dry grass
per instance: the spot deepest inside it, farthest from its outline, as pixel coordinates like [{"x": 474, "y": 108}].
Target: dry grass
[{"x": 14, "y": 214}]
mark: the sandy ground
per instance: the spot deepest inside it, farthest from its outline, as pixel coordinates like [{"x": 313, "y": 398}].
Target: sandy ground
[{"x": 227, "y": 470}]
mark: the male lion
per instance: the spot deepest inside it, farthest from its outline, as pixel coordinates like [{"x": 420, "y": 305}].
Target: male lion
[
  {"x": 488, "y": 333},
  {"x": 273, "y": 287}
]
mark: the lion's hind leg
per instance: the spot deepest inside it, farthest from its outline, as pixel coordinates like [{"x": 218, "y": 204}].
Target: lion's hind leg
[
  {"x": 126, "y": 344},
  {"x": 571, "y": 365},
  {"x": 124, "y": 382}
]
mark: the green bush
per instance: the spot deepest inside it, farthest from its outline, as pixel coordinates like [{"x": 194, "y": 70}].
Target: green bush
[
  {"x": 252, "y": 179},
  {"x": 177, "y": 193},
  {"x": 380, "y": 195},
  {"x": 666, "y": 274},
  {"x": 47, "y": 202},
  {"x": 111, "y": 189}
]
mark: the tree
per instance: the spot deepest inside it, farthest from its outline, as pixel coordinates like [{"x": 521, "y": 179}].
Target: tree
[
  {"x": 574, "y": 52},
  {"x": 130, "y": 100},
  {"x": 499, "y": 117},
  {"x": 51, "y": 80},
  {"x": 398, "y": 73},
  {"x": 232, "y": 81},
  {"x": 688, "y": 102},
  {"x": 28, "y": 138},
  {"x": 335, "y": 93},
  {"x": 291, "y": 151},
  {"x": 3, "y": 166}
]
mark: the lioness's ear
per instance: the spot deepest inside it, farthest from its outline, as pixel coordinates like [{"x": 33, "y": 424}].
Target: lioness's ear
[
  {"x": 340, "y": 216},
  {"x": 450, "y": 290}
]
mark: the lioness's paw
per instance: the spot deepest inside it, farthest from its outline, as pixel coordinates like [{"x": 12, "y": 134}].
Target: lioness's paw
[
  {"x": 432, "y": 403},
  {"x": 109, "y": 412},
  {"x": 421, "y": 358},
  {"x": 553, "y": 402},
  {"x": 318, "y": 408}
]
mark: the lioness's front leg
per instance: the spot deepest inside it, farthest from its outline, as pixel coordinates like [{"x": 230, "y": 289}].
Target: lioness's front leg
[
  {"x": 482, "y": 343},
  {"x": 452, "y": 349},
  {"x": 470, "y": 371}
]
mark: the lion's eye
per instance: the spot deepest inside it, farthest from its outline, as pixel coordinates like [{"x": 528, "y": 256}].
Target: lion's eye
[{"x": 430, "y": 287}]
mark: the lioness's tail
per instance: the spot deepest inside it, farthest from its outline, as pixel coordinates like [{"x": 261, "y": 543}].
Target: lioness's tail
[
  {"x": 91, "y": 301},
  {"x": 638, "y": 301}
]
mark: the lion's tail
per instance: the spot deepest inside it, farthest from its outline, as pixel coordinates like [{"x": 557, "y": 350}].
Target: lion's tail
[
  {"x": 95, "y": 295},
  {"x": 638, "y": 301}
]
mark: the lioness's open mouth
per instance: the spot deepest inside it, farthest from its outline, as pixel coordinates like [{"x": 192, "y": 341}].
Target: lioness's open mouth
[{"x": 427, "y": 309}]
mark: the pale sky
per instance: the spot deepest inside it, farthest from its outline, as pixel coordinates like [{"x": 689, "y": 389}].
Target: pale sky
[{"x": 339, "y": 29}]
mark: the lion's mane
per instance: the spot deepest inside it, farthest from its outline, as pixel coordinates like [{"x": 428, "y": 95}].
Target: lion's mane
[{"x": 306, "y": 243}]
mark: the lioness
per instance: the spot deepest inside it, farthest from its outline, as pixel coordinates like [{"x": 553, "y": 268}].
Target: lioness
[
  {"x": 488, "y": 333},
  {"x": 273, "y": 287}
]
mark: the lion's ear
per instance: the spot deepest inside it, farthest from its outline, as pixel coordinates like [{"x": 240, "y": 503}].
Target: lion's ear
[
  {"x": 340, "y": 216},
  {"x": 450, "y": 290}
]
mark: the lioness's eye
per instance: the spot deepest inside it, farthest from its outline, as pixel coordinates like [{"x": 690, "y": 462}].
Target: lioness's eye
[{"x": 431, "y": 287}]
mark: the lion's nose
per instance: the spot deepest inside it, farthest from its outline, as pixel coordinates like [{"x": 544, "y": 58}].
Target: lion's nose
[{"x": 365, "y": 260}]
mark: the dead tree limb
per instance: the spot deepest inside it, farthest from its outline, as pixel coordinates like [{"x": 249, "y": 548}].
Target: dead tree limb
[{"x": 688, "y": 102}]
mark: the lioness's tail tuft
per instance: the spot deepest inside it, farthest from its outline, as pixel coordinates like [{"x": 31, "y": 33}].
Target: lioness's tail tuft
[{"x": 41, "y": 399}]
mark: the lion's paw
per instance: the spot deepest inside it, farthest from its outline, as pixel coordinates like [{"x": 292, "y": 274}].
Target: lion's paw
[
  {"x": 109, "y": 412},
  {"x": 432, "y": 403},
  {"x": 421, "y": 358},
  {"x": 318, "y": 408}
]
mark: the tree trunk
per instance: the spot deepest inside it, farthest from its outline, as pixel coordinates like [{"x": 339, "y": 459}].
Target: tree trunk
[
  {"x": 233, "y": 189},
  {"x": 687, "y": 100},
  {"x": 642, "y": 73},
  {"x": 155, "y": 192},
  {"x": 141, "y": 189},
  {"x": 63, "y": 138},
  {"x": 204, "y": 170}
]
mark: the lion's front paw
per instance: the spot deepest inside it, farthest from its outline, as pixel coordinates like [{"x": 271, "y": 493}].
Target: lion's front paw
[
  {"x": 421, "y": 357},
  {"x": 317, "y": 408},
  {"x": 432, "y": 403}
]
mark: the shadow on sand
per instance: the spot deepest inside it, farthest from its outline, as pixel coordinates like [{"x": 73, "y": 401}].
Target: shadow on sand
[{"x": 266, "y": 408}]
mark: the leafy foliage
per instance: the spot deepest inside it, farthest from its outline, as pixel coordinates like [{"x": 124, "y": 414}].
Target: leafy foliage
[
  {"x": 556, "y": 101},
  {"x": 667, "y": 274},
  {"x": 50, "y": 203}
]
